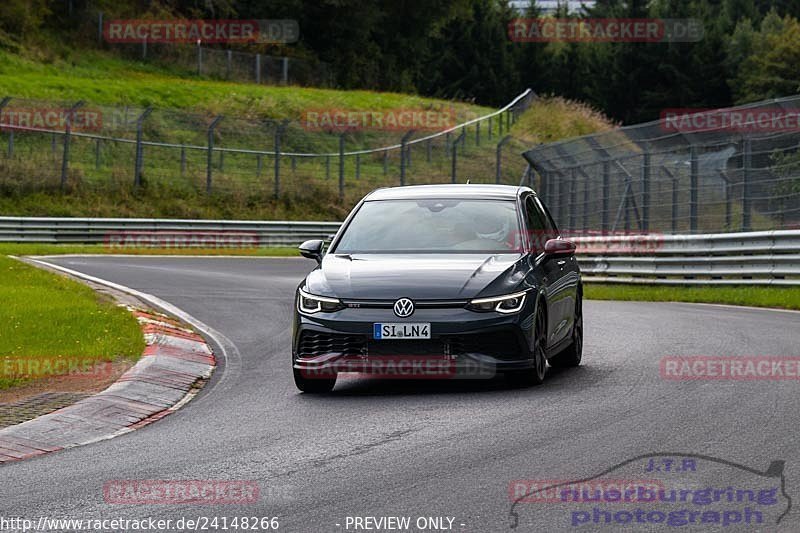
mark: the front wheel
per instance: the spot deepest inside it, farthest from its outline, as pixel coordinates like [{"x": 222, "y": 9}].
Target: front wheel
[
  {"x": 534, "y": 375},
  {"x": 313, "y": 385},
  {"x": 572, "y": 355}
]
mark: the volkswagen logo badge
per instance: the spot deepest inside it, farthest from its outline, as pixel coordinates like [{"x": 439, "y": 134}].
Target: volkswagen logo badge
[{"x": 404, "y": 307}]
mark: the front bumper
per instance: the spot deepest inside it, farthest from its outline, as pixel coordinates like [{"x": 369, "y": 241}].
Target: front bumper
[{"x": 463, "y": 343}]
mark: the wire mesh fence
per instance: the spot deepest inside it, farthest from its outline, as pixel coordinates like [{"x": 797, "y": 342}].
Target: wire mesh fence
[
  {"x": 57, "y": 146},
  {"x": 735, "y": 169},
  {"x": 228, "y": 64}
]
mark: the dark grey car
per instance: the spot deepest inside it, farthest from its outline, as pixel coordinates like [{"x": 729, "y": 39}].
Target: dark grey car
[{"x": 439, "y": 281}]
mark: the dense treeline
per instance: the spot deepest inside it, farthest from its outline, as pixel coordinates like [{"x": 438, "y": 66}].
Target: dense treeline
[{"x": 460, "y": 48}]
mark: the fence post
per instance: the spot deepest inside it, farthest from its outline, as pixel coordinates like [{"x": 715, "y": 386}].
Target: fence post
[
  {"x": 693, "y": 189},
  {"x": 199, "y": 59},
  {"x": 210, "y": 154},
  {"x": 557, "y": 202},
  {"x": 294, "y": 163},
  {"x": 358, "y": 166},
  {"x": 100, "y": 28},
  {"x": 499, "y": 158},
  {"x": 278, "y": 135},
  {"x": 144, "y": 48},
  {"x": 341, "y": 166},
  {"x": 385, "y": 162},
  {"x": 229, "y": 60},
  {"x": 447, "y": 144},
  {"x": 508, "y": 120},
  {"x": 585, "y": 224},
  {"x": 258, "y": 68},
  {"x": 606, "y": 194},
  {"x": 489, "y": 136},
  {"x": 259, "y": 165},
  {"x": 67, "y": 132},
  {"x": 454, "y": 162},
  {"x": 327, "y": 167},
  {"x": 727, "y": 206},
  {"x": 646, "y": 191},
  {"x": 53, "y": 144},
  {"x": 285, "y": 74},
  {"x": 477, "y": 134},
  {"x": 403, "y": 145},
  {"x": 97, "y": 154},
  {"x": 543, "y": 185},
  {"x": 572, "y": 200},
  {"x": 500, "y": 124},
  {"x": 183, "y": 161},
  {"x": 747, "y": 150},
  {"x": 3, "y": 103},
  {"x": 674, "y": 212},
  {"x": 428, "y": 153},
  {"x": 137, "y": 171}
]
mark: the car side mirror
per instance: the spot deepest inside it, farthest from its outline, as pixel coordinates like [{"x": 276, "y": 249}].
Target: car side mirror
[
  {"x": 559, "y": 248},
  {"x": 312, "y": 249}
]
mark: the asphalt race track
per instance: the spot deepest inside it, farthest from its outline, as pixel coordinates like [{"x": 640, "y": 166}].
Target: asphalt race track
[{"x": 380, "y": 448}]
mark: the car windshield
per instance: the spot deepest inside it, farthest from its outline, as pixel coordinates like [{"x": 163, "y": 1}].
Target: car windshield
[{"x": 430, "y": 226}]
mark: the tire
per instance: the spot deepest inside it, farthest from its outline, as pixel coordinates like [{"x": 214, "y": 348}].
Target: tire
[
  {"x": 571, "y": 356},
  {"x": 314, "y": 385},
  {"x": 533, "y": 376}
]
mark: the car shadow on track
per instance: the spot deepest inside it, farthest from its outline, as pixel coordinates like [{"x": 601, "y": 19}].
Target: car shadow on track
[{"x": 359, "y": 385}]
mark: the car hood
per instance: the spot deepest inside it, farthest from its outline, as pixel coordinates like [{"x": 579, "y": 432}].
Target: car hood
[{"x": 418, "y": 276}]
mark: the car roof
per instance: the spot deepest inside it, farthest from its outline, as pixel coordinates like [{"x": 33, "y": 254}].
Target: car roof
[{"x": 506, "y": 192}]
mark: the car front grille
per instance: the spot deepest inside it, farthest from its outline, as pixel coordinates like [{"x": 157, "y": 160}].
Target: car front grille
[
  {"x": 313, "y": 344},
  {"x": 503, "y": 345}
]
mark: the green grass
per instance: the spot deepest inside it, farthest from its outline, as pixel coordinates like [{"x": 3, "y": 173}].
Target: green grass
[
  {"x": 100, "y": 182},
  {"x": 101, "y": 249},
  {"x": 46, "y": 317},
  {"x": 100, "y": 78},
  {"x": 755, "y": 296}
]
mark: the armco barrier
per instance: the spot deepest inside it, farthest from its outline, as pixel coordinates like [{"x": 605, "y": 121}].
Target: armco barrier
[
  {"x": 753, "y": 258},
  {"x": 114, "y": 231}
]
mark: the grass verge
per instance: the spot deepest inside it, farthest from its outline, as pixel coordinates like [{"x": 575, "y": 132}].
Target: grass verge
[
  {"x": 51, "y": 322},
  {"x": 776, "y": 297}
]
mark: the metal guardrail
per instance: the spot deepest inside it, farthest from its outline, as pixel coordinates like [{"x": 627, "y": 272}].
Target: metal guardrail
[
  {"x": 753, "y": 258},
  {"x": 123, "y": 232}
]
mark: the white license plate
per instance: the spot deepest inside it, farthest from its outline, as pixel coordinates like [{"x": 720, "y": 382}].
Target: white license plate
[{"x": 401, "y": 330}]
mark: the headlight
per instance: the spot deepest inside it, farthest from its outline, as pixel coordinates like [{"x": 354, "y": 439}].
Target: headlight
[
  {"x": 509, "y": 303},
  {"x": 310, "y": 304}
]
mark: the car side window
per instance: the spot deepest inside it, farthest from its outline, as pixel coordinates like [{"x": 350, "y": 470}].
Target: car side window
[{"x": 537, "y": 226}]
